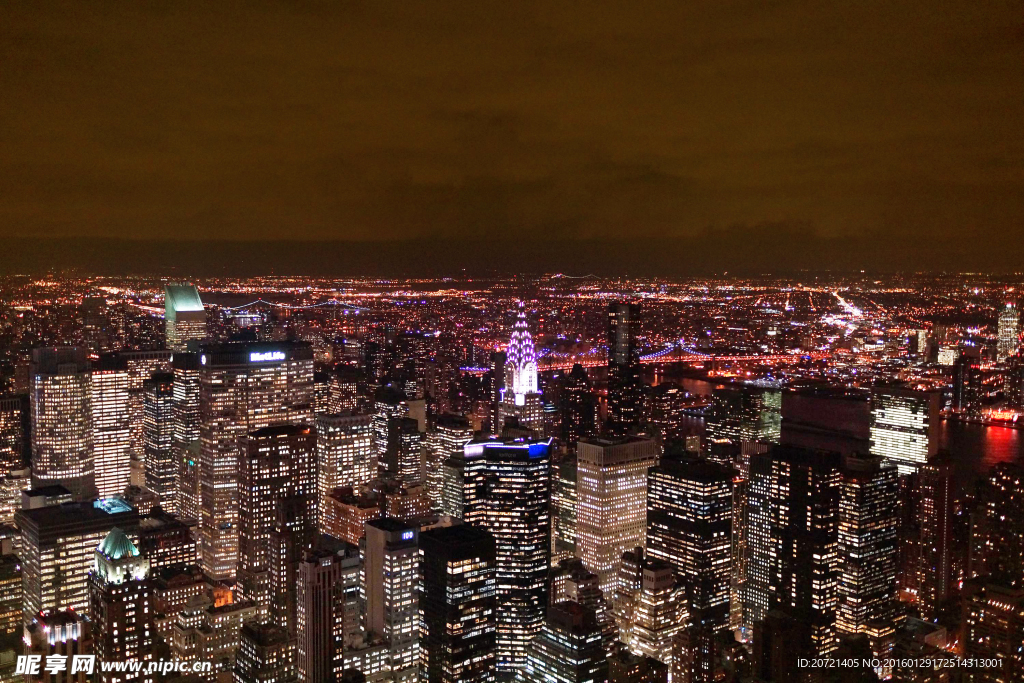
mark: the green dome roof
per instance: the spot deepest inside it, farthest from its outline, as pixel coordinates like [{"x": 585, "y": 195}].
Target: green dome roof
[{"x": 117, "y": 545}]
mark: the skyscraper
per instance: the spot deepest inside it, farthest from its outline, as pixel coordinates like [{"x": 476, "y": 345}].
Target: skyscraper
[
  {"x": 994, "y": 630},
  {"x": 1003, "y": 512},
  {"x": 327, "y": 608},
  {"x": 868, "y": 544},
  {"x": 15, "y": 448},
  {"x": 1009, "y": 332},
  {"x": 277, "y": 464},
  {"x": 745, "y": 413},
  {"x": 447, "y": 438},
  {"x": 650, "y": 606},
  {"x": 390, "y": 403},
  {"x": 61, "y": 404},
  {"x": 507, "y": 491},
  {"x": 184, "y": 316},
  {"x": 186, "y": 432},
  {"x": 243, "y": 387},
  {"x": 579, "y": 407},
  {"x": 792, "y": 546},
  {"x": 611, "y": 493},
  {"x": 162, "y": 467},
  {"x": 568, "y": 648},
  {"x": 935, "y": 518},
  {"x": 111, "y": 425},
  {"x": 689, "y": 526},
  {"x": 345, "y": 455},
  {"x": 122, "y": 606},
  {"x": 904, "y": 427},
  {"x": 266, "y": 654},
  {"x": 58, "y": 544},
  {"x": 457, "y": 605},
  {"x": 392, "y": 580},
  {"x": 625, "y": 379},
  {"x": 520, "y": 399}
]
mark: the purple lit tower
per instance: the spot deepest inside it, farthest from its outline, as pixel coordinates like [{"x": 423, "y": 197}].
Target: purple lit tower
[{"x": 520, "y": 398}]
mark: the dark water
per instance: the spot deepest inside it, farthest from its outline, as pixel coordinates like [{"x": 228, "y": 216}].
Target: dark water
[{"x": 975, "y": 448}]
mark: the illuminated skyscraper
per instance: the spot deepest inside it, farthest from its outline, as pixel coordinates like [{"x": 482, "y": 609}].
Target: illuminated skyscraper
[
  {"x": 122, "y": 606},
  {"x": 936, "y": 485},
  {"x": 327, "y": 608},
  {"x": 345, "y": 455},
  {"x": 457, "y": 607},
  {"x": 392, "y": 584},
  {"x": 520, "y": 398},
  {"x": 185, "y": 399},
  {"x": 968, "y": 391},
  {"x": 611, "y": 512},
  {"x": 994, "y": 630},
  {"x": 266, "y": 654},
  {"x": 792, "y": 543},
  {"x": 564, "y": 504},
  {"x": 904, "y": 427},
  {"x": 568, "y": 648},
  {"x": 745, "y": 413},
  {"x": 447, "y": 438},
  {"x": 1003, "y": 511},
  {"x": 507, "y": 491},
  {"x": 15, "y": 418},
  {"x": 58, "y": 546},
  {"x": 689, "y": 526},
  {"x": 1009, "y": 332},
  {"x": 389, "y": 404},
  {"x": 111, "y": 425},
  {"x": 650, "y": 606},
  {"x": 162, "y": 467},
  {"x": 625, "y": 378},
  {"x": 243, "y": 387},
  {"x": 403, "y": 460},
  {"x": 868, "y": 550},
  {"x": 61, "y": 403},
  {"x": 277, "y": 464},
  {"x": 184, "y": 316}
]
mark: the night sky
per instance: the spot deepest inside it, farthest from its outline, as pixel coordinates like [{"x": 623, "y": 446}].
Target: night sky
[{"x": 710, "y": 123}]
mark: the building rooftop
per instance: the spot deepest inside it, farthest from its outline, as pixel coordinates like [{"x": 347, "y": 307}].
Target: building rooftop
[{"x": 182, "y": 298}]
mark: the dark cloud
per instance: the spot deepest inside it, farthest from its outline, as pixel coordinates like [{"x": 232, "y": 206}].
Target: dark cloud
[{"x": 569, "y": 120}]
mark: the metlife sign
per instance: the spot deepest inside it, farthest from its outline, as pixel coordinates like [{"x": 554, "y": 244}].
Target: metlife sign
[{"x": 265, "y": 356}]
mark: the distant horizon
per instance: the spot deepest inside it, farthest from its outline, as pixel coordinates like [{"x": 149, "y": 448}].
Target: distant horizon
[{"x": 739, "y": 253}]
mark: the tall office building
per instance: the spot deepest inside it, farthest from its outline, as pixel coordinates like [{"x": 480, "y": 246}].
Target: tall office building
[
  {"x": 904, "y": 427},
  {"x": 745, "y": 413},
  {"x": 392, "y": 582},
  {"x": 59, "y": 633},
  {"x": 689, "y": 526},
  {"x": 564, "y": 503},
  {"x": 994, "y": 630},
  {"x": 277, "y": 464},
  {"x": 141, "y": 365},
  {"x": 1002, "y": 500},
  {"x": 457, "y": 605},
  {"x": 15, "y": 448},
  {"x": 650, "y": 606},
  {"x": 625, "y": 378},
  {"x": 266, "y": 654},
  {"x": 868, "y": 543},
  {"x": 611, "y": 494},
  {"x": 162, "y": 467},
  {"x": 448, "y": 436},
  {"x": 507, "y": 491},
  {"x": 345, "y": 455},
  {"x": 60, "y": 396},
  {"x": 243, "y": 387},
  {"x": 390, "y": 403},
  {"x": 568, "y": 648},
  {"x": 185, "y": 400},
  {"x": 1009, "y": 332},
  {"x": 968, "y": 390},
  {"x": 184, "y": 316},
  {"x": 936, "y": 489},
  {"x": 579, "y": 407},
  {"x": 792, "y": 544},
  {"x": 520, "y": 398},
  {"x": 111, "y": 425},
  {"x": 58, "y": 544},
  {"x": 122, "y": 611},
  {"x": 327, "y": 608},
  {"x": 403, "y": 460}
]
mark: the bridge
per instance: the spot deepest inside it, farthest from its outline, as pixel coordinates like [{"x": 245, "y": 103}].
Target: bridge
[{"x": 677, "y": 352}]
